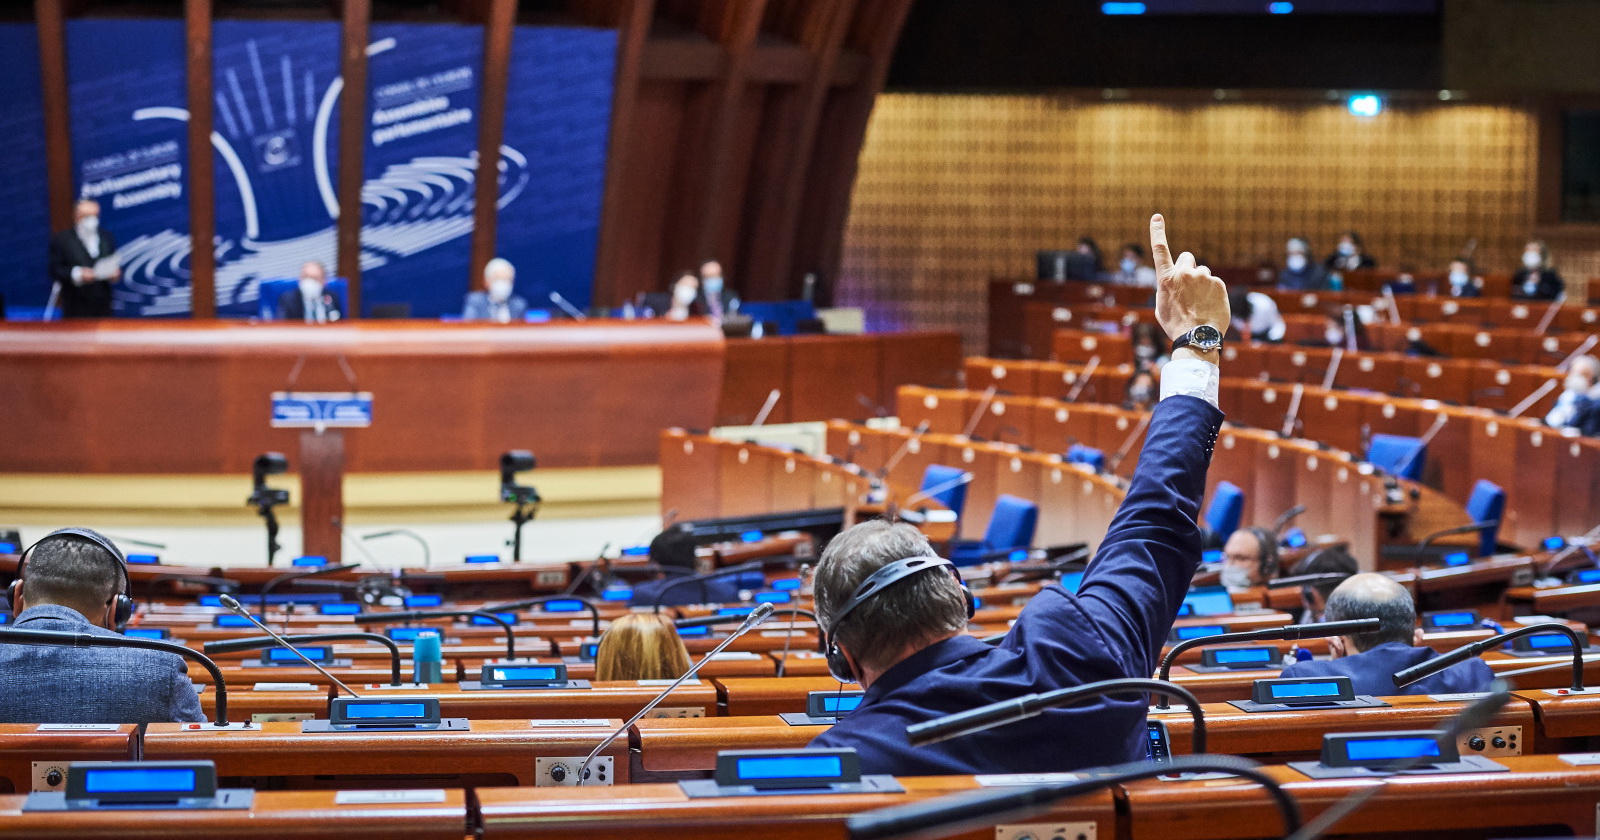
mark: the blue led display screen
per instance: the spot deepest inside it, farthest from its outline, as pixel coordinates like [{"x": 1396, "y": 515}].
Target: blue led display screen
[
  {"x": 791, "y": 767},
  {"x": 143, "y": 780},
  {"x": 1314, "y": 689},
  {"x": 1386, "y": 749},
  {"x": 369, "y": 711}
]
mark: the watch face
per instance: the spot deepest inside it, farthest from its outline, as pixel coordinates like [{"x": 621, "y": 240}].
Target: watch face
[{"x": 1206, "y": 337}]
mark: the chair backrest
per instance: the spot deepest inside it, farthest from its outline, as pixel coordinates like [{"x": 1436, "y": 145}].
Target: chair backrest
[
  {"x": 1080, "y": 454},
  {"x": 1393, "y": 454},
  {"x": 1487, "y": 501},
  {"x": 1012, "y": 524},
  {"x": 954, "y": 494},
  {"x": 1225, "y": 510}
]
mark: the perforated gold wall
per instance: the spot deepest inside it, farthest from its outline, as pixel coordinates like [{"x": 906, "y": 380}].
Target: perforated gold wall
[{"x": 955, "y": 189}]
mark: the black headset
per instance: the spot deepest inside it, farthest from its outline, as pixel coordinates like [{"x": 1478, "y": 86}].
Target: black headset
[
  {"x": 124, "y": 600},
  {"x": 878, "y": 581}
]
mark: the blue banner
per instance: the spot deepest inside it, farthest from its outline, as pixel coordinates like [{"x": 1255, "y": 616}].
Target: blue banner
[
  {"x": 24, "y": 196},
  {"x": 126, "y": 83},
  {"x": 421, "y": 164},
  {"x": 558, "y": 121},
  {"x": 276, "y": 137}
]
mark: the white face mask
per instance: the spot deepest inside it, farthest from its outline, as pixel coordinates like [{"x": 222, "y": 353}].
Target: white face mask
[
  {"x": 1334, "y": 337},
  {"x": 712, "y": 285},
  {"x": 310, "y": 287},
  {"x": 90, "y": 225},
  {"x": 1235, "y": 577},
  {"x": 1577, "y": 384},
  {"x": 1347, "y": 249},
  {"x": 1458, "y": 278},
  {"x": 500, "y": 290},
  {"x": 1128, "y": 265},
  {"x": 1139, "y": 393},
  {"x": 683, "y": 295},
  {"x": 1531, "y": 260},
  {"x": 1296, "y": 262}
]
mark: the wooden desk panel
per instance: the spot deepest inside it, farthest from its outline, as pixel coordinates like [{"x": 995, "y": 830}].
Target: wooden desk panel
[
  {"x": 165, "y": 397},
  {"x": 759, "y": 697},
  {"x": 494, "y": 752},
  {"x": 311, "y": 815},
  {"x": 754, "y": 367},
  {"x": 688, "y": 744},
  {"x": 1540, "y": 791},
  {"x": 22, "y": 744},
  {"x": 664, "y": 813}
]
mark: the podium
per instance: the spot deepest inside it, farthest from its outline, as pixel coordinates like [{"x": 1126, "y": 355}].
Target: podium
[{"x": 323, "y": 417}]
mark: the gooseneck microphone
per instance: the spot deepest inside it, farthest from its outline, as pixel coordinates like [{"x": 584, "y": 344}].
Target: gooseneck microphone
[
  {"x": 61, "y": 638},
  {"x": 759, "y": 614},
  {"x": 427, "y": 553},
  {"x": 414, "y": 615},
  {"x": 982, "y": 809},
  {"x": 588, "y": 605},
  {"x": 1032, "y": 705},
  {"x": 1286, "y": 633},
  {"x": 1467, "y": 651},
  {"x": 233, "y": 604},
  {"x": 270, "y": 585},
  {"x": 1286, "y": 517},
  {"x": 1474, "y": 716},
  {"x": 567, "y": 307},
  {"x": 259, "y": 642}
]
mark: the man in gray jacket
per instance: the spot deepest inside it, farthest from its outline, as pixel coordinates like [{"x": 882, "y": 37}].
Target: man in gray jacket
[{"x": 71, "y": 583}]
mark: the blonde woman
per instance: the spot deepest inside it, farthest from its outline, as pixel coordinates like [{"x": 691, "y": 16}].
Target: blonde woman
[{"x": 641, "y": 646}]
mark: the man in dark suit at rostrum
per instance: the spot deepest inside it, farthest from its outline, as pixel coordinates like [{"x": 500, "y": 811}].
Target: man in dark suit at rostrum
[
  {"x": 310, "y": 301},
  {"x": 1371, "y": 660},
  {"x": 72, "y": 582},
  {"x": 83, "y": 291},
  {"x": 899, "y": 627}
]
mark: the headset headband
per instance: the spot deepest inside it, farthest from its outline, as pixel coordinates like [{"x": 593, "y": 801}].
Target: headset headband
[{"x": 882, "y": 579}]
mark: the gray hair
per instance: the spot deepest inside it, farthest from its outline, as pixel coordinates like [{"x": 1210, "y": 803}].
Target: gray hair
[
  {"x": 499, "y": 265},
  {"x": 1371, "y": 595},
  {"x": 911, "y": 613},
  {"x": 70, "y": 571}
]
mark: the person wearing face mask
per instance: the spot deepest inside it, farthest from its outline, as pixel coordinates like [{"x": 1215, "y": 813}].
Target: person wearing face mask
[
  {"x": 1140, "y": 392},
  {"x": 716, "y": 299},
  {"x": 1249, "y": 558},
  {"x": 1132, "y": 270},
  {"x": 684, "y": 300},
  {"x": 1256, "y": 316},
  {"x": 83, "y": 265},
  {"x": 1580, "y": 395},
  {"x": 1149, "y": 350},
  {"x": 1349, "y": 255},
  {"x": 1345, "y": 330},
  {"x": 310, "y": 300},
  {"x": 1462, "y": 283},
  {"x": 1299, "y": 273},
  {"x": 1537, "y": 280},
  {"x": 498, "y": 303}
]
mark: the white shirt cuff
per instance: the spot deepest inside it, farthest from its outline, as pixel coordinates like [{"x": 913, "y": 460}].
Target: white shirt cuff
[{"x": 1193, "y": 377}]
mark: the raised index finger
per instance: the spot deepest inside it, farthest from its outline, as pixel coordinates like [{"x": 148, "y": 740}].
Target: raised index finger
[{"x": 1159, "y": 252}]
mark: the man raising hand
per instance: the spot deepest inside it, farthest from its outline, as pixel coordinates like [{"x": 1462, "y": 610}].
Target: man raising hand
[{"x": 895, "y": 616}]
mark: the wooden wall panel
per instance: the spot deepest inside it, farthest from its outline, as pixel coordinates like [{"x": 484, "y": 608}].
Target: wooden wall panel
[{"x": 955, "y": 189}]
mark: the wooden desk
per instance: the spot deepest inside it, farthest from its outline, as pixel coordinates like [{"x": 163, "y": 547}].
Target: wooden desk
[
  {"x": 191, "y": 397},
  {"x": 495, "y": 752},
  {"x": 821, "y": 376},
  {"x": 1293, "y": 735},
  {"x": 1539, "y": 791},
  {"x": 688, "y": 747},
  {"x": 756, "y": 697},
  {"x": 615, "y": 700},
  {"x": 665, "y": 813},
  {"x": 312, "y": 815},
  {"x": 23, "y": 744}
]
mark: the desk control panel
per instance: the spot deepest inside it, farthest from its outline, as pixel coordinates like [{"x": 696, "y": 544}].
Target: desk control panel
[
  {"x": 562, "y": 771},
  {"x": 1491, "y": 741},
  {"x": 1046, "y": 831}
]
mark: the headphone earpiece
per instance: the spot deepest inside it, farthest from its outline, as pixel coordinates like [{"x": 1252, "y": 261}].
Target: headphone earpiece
[{"x": 838, "y": 664}]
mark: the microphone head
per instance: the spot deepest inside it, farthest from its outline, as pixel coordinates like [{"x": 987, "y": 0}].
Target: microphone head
[
  {"x": 761, "y": 613},
  {"x": 231, "y": 603}
]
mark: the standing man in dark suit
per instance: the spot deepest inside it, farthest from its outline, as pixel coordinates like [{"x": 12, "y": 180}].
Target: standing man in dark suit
[
  {"x": 70, "y": 583},
  {"x": 310, "y": 301},
  {"x": 905, "y": 639},
  {"x": 82, "y": 280},
  {"x": 716, "y": 299}
]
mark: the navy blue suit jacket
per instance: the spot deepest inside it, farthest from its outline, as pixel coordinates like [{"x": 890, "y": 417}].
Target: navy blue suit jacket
[
  {"x": 722, "y": 590},
  {"x": 1372, "y": 672},
  {"x": 1112, "y": 628},
  {"x": 43, "y": 684}
]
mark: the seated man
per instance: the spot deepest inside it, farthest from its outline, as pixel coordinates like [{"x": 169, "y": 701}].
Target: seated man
[
  {"x": 896, "y": 622},
  {"x": 1249, "y": 558},
  {"x": 1582, "y": 391},
  {"x": 1371, "y": 660},
  {"x": 310, "y": 301},
  {"x": 673, "y": 550},
  {"x": 498, "y": 303},
  {"x": 1337, "y": 565},
  {"x": 71, "y": 583}
]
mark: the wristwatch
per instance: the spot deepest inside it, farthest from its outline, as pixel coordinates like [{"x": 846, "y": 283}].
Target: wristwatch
[{"x": 1204, "y": 338}]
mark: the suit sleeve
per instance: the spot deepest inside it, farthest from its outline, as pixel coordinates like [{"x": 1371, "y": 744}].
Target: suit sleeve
[
  {"x": 182, "y": 701},
  {"x": 1137, "y": 581},
  {"x": 61, "y": 264}
]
